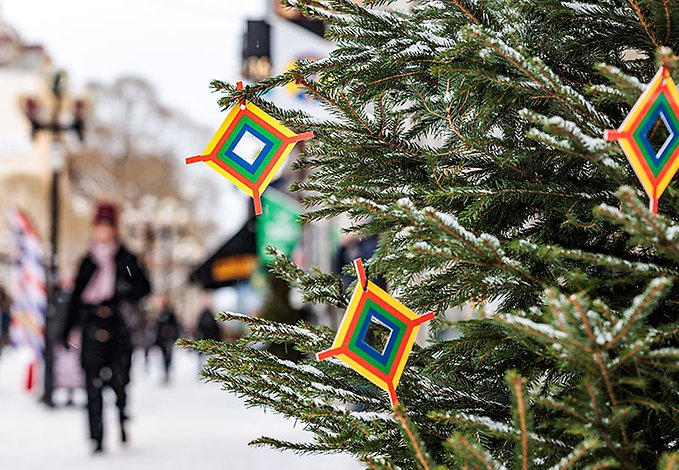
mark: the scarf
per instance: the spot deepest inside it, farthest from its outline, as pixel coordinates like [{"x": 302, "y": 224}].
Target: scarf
[{"x": 102, "y": 284}]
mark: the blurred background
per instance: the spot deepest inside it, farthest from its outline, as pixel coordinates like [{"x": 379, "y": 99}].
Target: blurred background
[{"x": 103, "y": 101}]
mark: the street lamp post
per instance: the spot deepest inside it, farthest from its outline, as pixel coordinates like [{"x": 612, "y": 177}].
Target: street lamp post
[{"x": 57, "y": 129}]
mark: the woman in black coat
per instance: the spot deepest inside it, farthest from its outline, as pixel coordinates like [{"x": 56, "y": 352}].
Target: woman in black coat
[{"x": 109, "y": 284}]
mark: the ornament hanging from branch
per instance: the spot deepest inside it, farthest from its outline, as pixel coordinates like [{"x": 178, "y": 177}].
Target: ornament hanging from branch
[
  {"x": 656, "y": 110},
  {"x": 370, "y": 306},
  {"x": 249, "y": 148}
]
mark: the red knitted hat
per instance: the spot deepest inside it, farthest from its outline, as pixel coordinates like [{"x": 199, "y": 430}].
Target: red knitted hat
[{"x": 106, "y": 213}]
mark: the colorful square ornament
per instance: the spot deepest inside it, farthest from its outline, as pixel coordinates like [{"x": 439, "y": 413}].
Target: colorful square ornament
[
  {"x": 371, "y": 305},
  {"x": 249, "y": 148},
  {"x": 657, "y": 106}
]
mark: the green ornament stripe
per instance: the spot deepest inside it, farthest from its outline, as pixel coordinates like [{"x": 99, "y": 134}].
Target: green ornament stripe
[
  {"x": 277, "y": 143},
  {"x": 400, "y": 332},
  {"x": 653, "y": 163}
]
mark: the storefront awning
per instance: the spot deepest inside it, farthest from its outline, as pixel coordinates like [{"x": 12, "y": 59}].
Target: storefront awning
[{"x": 234, "y": 261}]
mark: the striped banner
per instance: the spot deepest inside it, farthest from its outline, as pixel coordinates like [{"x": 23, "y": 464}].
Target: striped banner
[{"x": 28, "y": 292}]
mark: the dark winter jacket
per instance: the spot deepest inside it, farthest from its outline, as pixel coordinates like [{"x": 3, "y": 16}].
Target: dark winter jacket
[
  {"x": 167, "y": 327},
  {"x": 106, "y": 328},
  {"x": 208, "y": 328}
]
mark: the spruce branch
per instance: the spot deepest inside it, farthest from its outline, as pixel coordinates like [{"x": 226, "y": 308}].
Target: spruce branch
[
  {"x": 416, "y": 444},
  {"x": 648, "y": 230},
  {"x": 636, "y": 6},
  {"x": 578, "y": 454},
  {"x": 521, "y": 417},
  {"x": 466, "y": 135},
  {"x": 669, "y": 461},
  {"x": 471, "y": 454},
  {"x": 317, "y": 287}
]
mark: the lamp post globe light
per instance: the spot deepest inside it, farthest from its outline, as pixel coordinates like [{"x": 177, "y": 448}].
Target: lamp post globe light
[{"x": 63, "y": 116}]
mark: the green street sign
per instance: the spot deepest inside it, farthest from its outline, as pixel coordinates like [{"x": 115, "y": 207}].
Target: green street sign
[{"x": 278, "y": 225}]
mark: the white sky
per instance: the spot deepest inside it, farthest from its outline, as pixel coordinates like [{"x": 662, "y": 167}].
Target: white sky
[{"x": 177, "y": 45}]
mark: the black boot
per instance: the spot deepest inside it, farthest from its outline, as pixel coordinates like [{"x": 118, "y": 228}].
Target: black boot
[
  {"x": 98, "y": 437},
  {"x": 98, "y": 447},
  {"x": 123, "y": 422}
]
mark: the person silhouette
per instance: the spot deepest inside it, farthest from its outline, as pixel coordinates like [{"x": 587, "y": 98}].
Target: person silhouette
[
  {"x": 109, "y": 283},
  {"x": 166, "y": 332}
]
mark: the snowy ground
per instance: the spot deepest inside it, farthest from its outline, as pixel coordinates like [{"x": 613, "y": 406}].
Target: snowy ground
[{"x": 187, "y": 424}]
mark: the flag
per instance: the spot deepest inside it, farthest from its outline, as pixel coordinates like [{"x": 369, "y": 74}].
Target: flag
[{"x": 28, "y": 291}]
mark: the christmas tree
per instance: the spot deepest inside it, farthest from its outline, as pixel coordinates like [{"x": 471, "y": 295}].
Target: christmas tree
[{"x": 469, "y": 135}]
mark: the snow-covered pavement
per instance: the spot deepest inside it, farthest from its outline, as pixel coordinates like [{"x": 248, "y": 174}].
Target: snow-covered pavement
[{"x": 187, "y": 424}]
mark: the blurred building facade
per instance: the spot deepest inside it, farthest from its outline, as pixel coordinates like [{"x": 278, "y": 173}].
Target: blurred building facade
[
  {"x": 158, "y": 225},
  {"x": 26, "y": 163},
  {"x": 169, "y": 240}
]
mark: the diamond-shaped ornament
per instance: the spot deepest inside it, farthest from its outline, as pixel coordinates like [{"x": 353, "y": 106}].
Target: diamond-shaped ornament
[
  {"x": 655, "y": 112},
  {"x": 370, "y": 306},
  {"x": 249, "y": 148}
]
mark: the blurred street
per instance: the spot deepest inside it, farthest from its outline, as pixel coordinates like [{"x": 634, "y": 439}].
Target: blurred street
[{"x": 185, "y": 424}]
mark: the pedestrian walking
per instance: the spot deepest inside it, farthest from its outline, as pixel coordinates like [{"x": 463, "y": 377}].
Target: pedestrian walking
[
  {"x": 5, "y": 306},
  {"x": 109, "y": 284},
  {"x": 166, "y": 332},
  {"x": 207, "y": 326}
]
